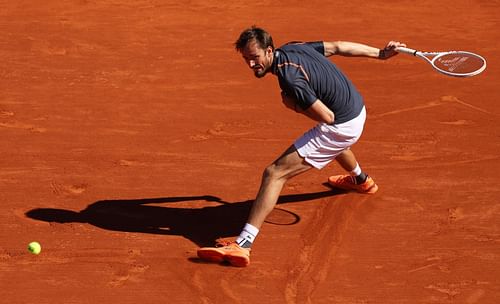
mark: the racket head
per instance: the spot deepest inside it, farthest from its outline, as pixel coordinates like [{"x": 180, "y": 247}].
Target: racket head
[{"x": 459, "y": 63}]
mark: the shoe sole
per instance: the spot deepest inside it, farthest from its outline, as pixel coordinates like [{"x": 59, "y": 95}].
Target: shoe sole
[
  {"x": 216, "y": 256},
  {"x": 237, "y": 261},
  {"x": 211, "y": 255}
]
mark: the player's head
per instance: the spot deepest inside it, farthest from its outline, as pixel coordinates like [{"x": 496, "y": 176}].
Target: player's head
[
  {"x": 56, "y": 215},
  {"x": 256, "y": 46}
]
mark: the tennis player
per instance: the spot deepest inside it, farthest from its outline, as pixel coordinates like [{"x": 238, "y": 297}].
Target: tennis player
[{"x": 315, "y": 87}]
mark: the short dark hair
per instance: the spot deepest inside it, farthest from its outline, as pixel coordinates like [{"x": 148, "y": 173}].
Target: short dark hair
[{"x": 263, "y": 38}]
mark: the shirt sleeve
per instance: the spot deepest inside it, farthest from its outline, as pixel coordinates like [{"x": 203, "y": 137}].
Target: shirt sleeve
[{"x": 318, "y": 46}]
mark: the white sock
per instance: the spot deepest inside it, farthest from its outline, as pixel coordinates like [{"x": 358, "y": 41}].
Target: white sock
[
  {"x": 356, "y": 171},
  {"x": 247, "y": 236}
]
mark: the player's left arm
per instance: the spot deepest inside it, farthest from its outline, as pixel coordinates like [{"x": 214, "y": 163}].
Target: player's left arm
[
  {"x": 317, "y": 111},
  {"x": 346, "y": 48}
]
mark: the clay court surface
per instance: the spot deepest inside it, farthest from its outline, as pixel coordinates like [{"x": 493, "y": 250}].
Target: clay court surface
[{"x": 133, "y": 133}]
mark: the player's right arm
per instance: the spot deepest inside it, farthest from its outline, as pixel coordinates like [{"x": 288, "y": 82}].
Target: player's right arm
[{"x": 346, "y": 48}]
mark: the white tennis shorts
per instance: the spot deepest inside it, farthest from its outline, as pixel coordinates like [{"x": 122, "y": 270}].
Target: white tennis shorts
[{"x": 320, "y": 145}]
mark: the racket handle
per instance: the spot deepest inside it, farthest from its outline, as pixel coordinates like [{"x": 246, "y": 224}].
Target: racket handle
[{"x": 406, "y": 51}]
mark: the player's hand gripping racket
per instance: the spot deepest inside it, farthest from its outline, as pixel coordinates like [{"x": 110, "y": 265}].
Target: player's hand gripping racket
[{"x": 452, "y": 63}]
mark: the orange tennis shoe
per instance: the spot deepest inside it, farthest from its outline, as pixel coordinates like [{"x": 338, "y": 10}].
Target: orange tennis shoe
[
  {"x": 226, "y": 251},
  {"x": 348, "y": 182}
]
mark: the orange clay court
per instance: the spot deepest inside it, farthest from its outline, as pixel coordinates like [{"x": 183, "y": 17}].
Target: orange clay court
[{"x": 133, "y": 133}]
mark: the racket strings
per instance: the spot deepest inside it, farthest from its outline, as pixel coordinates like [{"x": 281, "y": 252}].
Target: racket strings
[{"x": 460, "y": 63}]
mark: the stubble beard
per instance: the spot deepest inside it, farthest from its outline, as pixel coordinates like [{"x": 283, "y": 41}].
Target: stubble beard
[{"x": 261, "y": 72}]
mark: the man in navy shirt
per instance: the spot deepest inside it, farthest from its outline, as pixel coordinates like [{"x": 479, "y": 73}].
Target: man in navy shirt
[{"x": 313, "y": 86}]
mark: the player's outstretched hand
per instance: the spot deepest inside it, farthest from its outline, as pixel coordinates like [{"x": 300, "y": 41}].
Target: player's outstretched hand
[{"x": 390, "y": 49}]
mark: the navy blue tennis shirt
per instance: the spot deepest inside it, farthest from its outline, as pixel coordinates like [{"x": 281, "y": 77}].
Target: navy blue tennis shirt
[{"x": 305, "y": 74}]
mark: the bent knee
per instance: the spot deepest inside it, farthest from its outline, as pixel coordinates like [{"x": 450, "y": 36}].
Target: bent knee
[
  {"x": 270, "y": 171},
  {"x": 275, "y": 172}
]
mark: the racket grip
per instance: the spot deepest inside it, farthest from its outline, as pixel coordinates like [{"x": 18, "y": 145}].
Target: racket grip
[{"x": 406, "y": 51}]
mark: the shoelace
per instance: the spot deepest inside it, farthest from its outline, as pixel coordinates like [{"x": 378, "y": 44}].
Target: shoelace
[
  {"x": 223, "y": 243},
  {"x": 348, "y": 180}
]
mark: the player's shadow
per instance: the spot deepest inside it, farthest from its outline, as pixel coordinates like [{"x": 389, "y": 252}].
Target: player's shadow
[{"x": 150, "y": 215}]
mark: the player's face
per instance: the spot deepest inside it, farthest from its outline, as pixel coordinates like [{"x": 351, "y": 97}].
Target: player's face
[{"x": 258, "y": 59}]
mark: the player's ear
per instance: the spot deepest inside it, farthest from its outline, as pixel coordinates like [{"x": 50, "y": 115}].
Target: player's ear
[{"x": 269, "y": 50}]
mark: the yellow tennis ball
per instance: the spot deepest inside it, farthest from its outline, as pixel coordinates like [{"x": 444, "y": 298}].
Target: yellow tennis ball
[{"x": 34, "y": 247}]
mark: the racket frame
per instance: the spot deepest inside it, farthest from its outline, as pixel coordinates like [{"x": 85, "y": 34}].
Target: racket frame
[{"x": 437, "y": 55}]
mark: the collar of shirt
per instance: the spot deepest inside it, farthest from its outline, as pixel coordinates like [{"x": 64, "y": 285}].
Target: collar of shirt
[{"x": 274, "y": 66}]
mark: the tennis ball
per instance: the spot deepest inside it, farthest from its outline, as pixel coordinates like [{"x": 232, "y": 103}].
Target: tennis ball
[{"x": 34, "y": 247}]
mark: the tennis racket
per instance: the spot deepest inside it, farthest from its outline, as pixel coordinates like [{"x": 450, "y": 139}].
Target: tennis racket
[{"x": 452, "y": 63}]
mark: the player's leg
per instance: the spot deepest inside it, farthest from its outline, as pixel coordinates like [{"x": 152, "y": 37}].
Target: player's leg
[
  {"x": 289, "y": 164},
  {"x": 348, "y": 161},
  {"x": 357, "y": 179}
]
